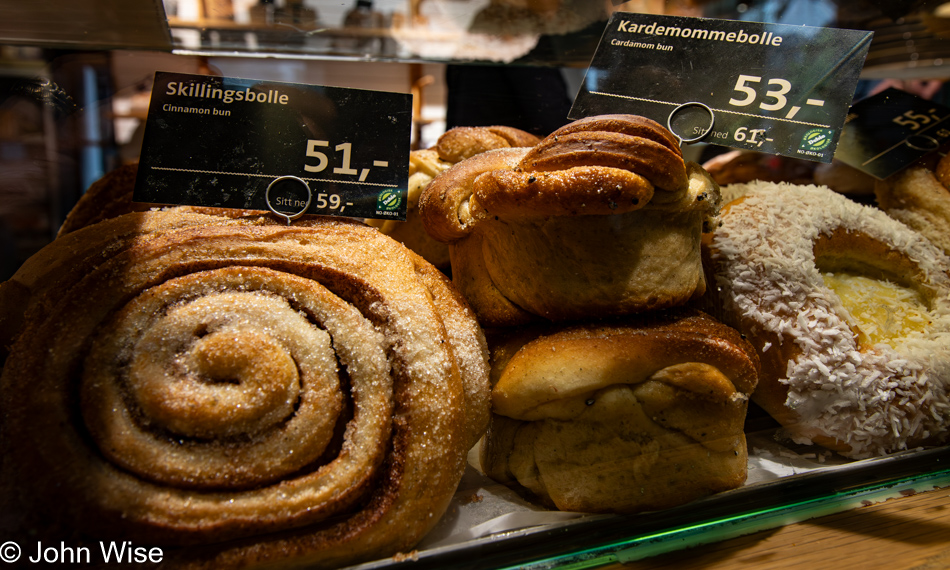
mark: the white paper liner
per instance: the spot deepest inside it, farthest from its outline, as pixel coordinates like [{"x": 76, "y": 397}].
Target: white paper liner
[{"x": 481, "y": 507}]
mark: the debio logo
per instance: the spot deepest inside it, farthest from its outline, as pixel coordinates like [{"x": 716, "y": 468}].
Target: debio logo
[
  {"x": 388, "y": 200},
  {"x": 816, "y": 139}
]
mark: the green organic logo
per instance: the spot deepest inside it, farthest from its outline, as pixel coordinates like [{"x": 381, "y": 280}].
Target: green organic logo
[
  {"x": 389, "y": 200},
  {"x": 817, "y": 139}
]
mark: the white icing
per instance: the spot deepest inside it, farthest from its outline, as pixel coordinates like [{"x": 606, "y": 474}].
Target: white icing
[{"x": 873, "y": 398}]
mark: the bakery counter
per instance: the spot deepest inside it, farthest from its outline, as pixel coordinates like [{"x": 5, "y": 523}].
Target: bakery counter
[
  {"x": 796, "y": 503},
  {"x": 246, "y": 391},
  {"x": 900, "y": 533}
]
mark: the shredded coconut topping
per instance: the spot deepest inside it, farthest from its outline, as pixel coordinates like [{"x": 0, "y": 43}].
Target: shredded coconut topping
[{"x": 874, "y": 398}]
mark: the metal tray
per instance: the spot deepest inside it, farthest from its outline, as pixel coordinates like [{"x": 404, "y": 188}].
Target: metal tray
[{"x": 488, "y": 526}]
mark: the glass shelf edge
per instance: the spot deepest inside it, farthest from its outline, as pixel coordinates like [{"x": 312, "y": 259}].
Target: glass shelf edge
[{"x": 738, "y": 525}]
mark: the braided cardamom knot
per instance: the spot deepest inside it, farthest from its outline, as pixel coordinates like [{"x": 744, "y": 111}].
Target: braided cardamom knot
[
  {"x": 453, "y": 146},
  {"x": 602, "y": 217},
  {"x": 304, "y": 394},
  {"x": 459, "y": 143}
]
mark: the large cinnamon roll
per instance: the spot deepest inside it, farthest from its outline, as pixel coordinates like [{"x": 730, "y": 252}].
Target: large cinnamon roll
[{"x": 240, "y": 393}]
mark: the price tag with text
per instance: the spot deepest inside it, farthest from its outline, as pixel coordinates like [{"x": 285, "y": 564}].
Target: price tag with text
[
  {"x": 891, "y": 130},
  {"x": 772, "y": 88},
  {"x": 289, "y": 148}
]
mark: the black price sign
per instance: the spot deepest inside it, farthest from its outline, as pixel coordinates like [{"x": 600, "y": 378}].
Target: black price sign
[
  {"x": 289, "y": 148},
  {"x": 772, "y": 88},
  {"x": 891, "y": 130}
]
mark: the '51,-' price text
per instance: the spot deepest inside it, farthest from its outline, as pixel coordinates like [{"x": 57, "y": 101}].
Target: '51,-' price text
[{"x": 345, "y": 168}]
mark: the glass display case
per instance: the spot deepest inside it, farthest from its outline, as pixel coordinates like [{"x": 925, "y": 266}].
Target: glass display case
[
  {"x": 65, "y": 61},
  {"x": 77, "y": 79}
]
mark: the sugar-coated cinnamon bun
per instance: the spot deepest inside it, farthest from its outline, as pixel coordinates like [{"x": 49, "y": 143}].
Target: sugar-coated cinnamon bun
[
  {"x": 920, "y": 197},
  {"x": 849, "y": 310},
  {"x": 241, "y": 393},
  {"x": 36, "y": 286},
  {"x": 459, "y": 143}
]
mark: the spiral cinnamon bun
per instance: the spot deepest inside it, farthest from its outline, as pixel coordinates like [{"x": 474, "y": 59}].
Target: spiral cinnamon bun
[{"x": 242, "y": 393}]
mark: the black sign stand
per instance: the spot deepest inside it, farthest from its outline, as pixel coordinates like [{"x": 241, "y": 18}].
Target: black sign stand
[{"x": 224, "y": 142}]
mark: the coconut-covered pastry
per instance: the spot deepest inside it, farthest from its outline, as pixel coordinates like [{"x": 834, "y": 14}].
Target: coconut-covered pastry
[{"x": 849, "y": 310}]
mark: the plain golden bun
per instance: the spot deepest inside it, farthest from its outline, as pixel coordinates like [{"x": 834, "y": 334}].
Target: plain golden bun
[{"x": 638, "y": 414}]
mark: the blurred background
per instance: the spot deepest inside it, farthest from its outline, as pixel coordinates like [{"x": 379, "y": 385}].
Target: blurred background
[{"x": 75, "y": 76}]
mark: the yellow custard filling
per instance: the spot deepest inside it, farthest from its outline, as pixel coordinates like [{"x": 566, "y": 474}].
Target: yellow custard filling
[{"x": 880, "y": 311}]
